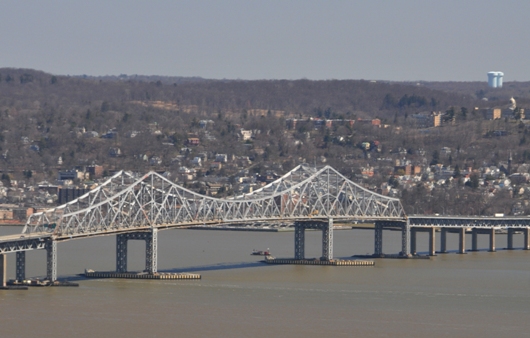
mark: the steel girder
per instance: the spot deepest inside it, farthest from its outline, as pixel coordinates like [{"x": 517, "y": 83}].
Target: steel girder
[
  {"x": 51, "y": 259},
  {"x": 152, "y": 201},
  {"x": 468, "y": 222},
  {"x": 21, "y": 265},
  {"x": 21, "y": 244}
]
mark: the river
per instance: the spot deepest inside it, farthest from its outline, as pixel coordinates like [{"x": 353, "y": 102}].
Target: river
[{"x": 479, "y": 294}]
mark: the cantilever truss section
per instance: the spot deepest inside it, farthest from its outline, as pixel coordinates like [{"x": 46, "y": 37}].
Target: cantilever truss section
[{"x": 152, "y": 201}]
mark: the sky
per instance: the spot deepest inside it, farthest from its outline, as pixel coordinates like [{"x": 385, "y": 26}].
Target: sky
[{"x": 395, "y": 40}]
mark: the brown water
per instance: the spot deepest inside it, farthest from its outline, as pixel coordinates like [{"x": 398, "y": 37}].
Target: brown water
[{"x": 479, "y": 294}]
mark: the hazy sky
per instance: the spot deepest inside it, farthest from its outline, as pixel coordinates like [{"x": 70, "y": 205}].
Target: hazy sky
[{"x": 458, "y": 40}]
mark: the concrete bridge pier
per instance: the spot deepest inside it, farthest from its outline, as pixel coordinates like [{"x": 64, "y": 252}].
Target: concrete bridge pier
[
  {"x": 413, "y": 241},
  {"x": 432, "y": 241},
  {"x": 327, "y": 238},
  {"x": 406, "y": 236},
  {"x": 3, "y": 270},
  {"x": 20, "y": 266},
  {"x": 151, "y": 250},
  {"x": 462, "y": 240},
  {"x": 474, "y": 234},
  {"x": 509, "y": 238},
  {"x": 474, "y": 242},
  {"x": 492, "y": 240},
  {"x": 378, "y": 239},
  {"x": 526, "y": 239},
  {"x": 443, "y": 240}
]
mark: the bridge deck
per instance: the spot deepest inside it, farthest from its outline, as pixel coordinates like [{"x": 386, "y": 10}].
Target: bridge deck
[{"x": 423, "y": 221}]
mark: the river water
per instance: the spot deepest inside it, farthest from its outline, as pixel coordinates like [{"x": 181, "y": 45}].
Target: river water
[{"x": 478, "y": 294}]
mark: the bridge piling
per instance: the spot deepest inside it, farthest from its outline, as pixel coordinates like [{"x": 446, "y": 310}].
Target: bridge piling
[
  {"x": 432, "y": 241},
  {"x": 526, "y": 239},
  {"x": 51, "y": 260},
  {"x": 378, "y": 239},
  {"x": 474, "y": 240},
  {"x": 443, "y": 241},
  {"x": 492, "y": 240},
  {"x": 413, "y": 241},
  {"x": 462, "y": 241},
  {"x": 509, "y": 238},
  {"x": 3, "y": 270},
  {"x": 299, "y": 241},
  {"x": 405, "y": 239},
  {"x": 20, "y": 266},
  {"x": 151, "y": 250},
  {"x": 121, "y": 253},
  {"x": 327, "y": 240}
]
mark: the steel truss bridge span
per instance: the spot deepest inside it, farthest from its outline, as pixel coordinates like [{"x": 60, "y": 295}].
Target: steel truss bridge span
[{"x": 125, "y": 204}]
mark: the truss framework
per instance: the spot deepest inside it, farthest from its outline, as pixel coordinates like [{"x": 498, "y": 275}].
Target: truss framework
[
  {"x": 125, "y": 204},
  {"x": 468, "y": 222}
]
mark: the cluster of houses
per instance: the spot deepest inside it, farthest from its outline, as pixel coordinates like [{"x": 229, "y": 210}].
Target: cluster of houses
[{"x": 489, "y": 179}]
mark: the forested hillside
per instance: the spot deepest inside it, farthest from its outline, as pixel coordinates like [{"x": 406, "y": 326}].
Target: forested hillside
[{"x": 50, "y": 123}]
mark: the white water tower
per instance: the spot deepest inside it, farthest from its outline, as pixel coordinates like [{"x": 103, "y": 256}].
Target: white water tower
[{"x": 495, "y": 79}]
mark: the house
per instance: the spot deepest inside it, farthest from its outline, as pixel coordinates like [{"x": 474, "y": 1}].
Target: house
[
  {"x": 95, "y": 171},
  {"x": 69, "y": 175},
  {"x": 427, "y": 120},
  {"x": 222, "y": 158},
  {"x": 245, "y": 134},
  {"x": 197, "y": 161},
  {"x": 91, "y": 134},
  {"x": 493, "y": 114},
  {"x": 445, "y": 151},
  {"x": 112, "y": 133},
  {"x": 114, "y": 152},
  {"x": 204, "y": 123},
  {"x": 155, "y": 160},
  {"x": 216, "y": 166},
  {"x": 193, "y": 141}
]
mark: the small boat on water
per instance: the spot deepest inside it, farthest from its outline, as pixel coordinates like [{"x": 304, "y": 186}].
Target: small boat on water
[{"x": 261, "y": 253}]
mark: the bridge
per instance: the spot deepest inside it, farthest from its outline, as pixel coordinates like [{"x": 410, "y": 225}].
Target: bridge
[{"x": 137, "y": 208}]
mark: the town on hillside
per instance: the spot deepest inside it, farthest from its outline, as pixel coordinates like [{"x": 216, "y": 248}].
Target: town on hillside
[{"x": 457, "y": 149}]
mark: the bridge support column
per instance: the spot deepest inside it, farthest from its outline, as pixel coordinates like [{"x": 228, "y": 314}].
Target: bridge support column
[
  {"x": 462, "y": 240},
  {"x": 299, "y": 241},
  {"x": 151, "y": 249},
  {"x": 405, "y": 239},
  {"x": 121, "y": 253},
  {"x": 21, "y": 266},
  {"x": 432, "y": 241},
  {"x": 443, "y": 240},
  {"x": 492, "y": 240},
  {"x": 151, "y": 252},
  {"x": 327, "y": 240},
  {"x": 51, "y": 260},
  {"x": 509, "y": 238},
  {"x": 378, "y": 239},
  {"x": 413, "y": 241},
  {"x": 474, "y": 241},
  {"x": 526, "y": 239},
  {"x": 3, "y": 270}
]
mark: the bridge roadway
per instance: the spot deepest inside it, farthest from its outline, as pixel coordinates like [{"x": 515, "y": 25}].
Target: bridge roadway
[{"x": 137, "y": 208}]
